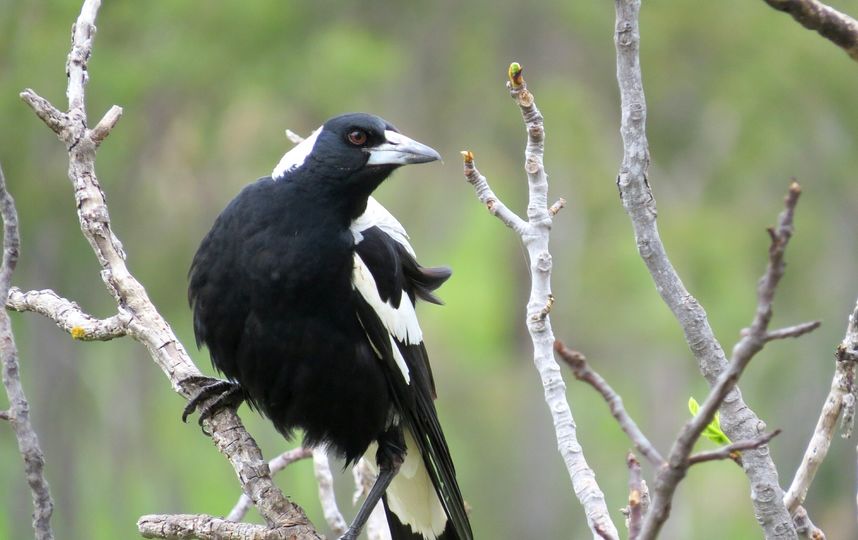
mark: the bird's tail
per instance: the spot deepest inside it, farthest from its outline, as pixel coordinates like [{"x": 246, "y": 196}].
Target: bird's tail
[{"x": 413, "y": 509}]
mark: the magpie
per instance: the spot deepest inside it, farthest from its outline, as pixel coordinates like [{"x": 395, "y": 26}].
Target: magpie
[{"x": 304, "y": 292}]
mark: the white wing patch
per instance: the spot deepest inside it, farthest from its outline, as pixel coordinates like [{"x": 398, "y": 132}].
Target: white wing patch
[
  {"x": 295, "y": 157},
  {"x": 376, "y": 215},
  {"x": 400, "y": 322}
]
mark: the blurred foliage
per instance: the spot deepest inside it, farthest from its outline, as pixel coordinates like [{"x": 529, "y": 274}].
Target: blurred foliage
[{"x": 741, "y": 100}]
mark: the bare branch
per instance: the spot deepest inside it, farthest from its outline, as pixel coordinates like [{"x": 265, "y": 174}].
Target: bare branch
[
  {"x": 106, "y": 124},
  {"x": 145, "y": 324},
  {"x": 842, "y": 386},
  {"x": 67, "y": 315},
  {"x": 19, "y": 408},
  {"x": 635, "y": 514},
  {"x": 731, "y": 451},
  {"x": 805, "y": 527},
  {"x": 839, "y": 28},
  {"x": 327, "y": 497},
  {"x": 795, "y": 331},
  {"x": 488, "y": 197},
  {"x": 50, "y": 115},
  {"x": 583, "y": 372},
  {"x": 534, "y": 234},
  {"x": 243, "y": 505},
  {"x": 751, "y": 342},
  {"x": 181, "y": 526},
  {"x": 739, "y": 421}
]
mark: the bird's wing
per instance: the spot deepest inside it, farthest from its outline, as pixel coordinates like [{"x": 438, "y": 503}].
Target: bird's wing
[
  {"x": 219, "y": 304},
  {"x": 386, "y": 281}
]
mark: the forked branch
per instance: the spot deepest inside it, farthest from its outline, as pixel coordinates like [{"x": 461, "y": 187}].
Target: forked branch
[{"x": 534, "y": 234}]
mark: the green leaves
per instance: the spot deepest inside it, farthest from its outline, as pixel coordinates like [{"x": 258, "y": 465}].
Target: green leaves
[{"x": 713, "y": 430}]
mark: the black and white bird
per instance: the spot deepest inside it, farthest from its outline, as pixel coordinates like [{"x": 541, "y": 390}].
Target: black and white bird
[{"x": 304, "y": 292}]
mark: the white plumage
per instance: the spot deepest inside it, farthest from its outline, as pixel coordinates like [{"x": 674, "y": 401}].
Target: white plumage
[{"x": 295, "y": 157}]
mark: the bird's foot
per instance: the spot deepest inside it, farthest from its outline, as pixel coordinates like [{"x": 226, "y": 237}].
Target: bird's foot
[
  {"x": 225, "y": 394},
  {"x": 350, "y": 535}
]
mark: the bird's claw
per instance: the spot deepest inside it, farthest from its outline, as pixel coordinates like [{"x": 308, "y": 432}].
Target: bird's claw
[{"x": 224, "y": 394}]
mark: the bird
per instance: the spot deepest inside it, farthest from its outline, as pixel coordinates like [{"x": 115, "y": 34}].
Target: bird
[{"x": 304, "y": 293}]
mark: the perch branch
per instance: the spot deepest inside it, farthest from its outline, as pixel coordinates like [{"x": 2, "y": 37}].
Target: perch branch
[
  {"x": 243, "y": 505},
  {"x": 19, "y": 408},
  {"x": 68, "y": 316},
  {"x": 839, "y": 28},
  {"x": 145, "y": 324},
  {"x": 534, "y": 234},
  {"x": 182, "y": 526},
  {"x": 739, "y": 421},
  {"x": 583, "y": 372},
  {"x": 842, "y": 385}
]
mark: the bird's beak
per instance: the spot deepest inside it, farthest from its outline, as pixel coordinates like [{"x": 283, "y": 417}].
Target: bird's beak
[{"x": 397, "y": 149}]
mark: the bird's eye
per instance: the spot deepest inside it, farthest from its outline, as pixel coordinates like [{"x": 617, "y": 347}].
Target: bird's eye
[{"x": 357, "y": 137}]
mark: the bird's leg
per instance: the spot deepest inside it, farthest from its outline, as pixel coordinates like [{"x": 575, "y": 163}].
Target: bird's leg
[
  {"x": 391, "y": 454},
  {"x": 225, "y": 394}
]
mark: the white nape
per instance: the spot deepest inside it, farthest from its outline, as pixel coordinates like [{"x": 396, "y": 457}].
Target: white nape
[{"x": 295, "y": 157}]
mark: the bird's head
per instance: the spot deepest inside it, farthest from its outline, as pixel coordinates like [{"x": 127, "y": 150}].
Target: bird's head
[{"x": 352, "y": 153}]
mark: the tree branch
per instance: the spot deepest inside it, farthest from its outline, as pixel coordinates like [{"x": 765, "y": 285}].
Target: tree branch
[
  {"x": 839, "y": 28},
  {"x": 739, "y": 420},
  {"x": 68, "y": 316},
  {"x": 635, "y": 509},
  {"x": 182, "y": 526},
  {"x": 534, "y": 234},
  {"x": 583, "y": 372},
  {"x": 327, "y": 496},
  {"x": 145, "y": 324},
  {"x": 842, "y": 386},
  {"x": 752, "y": 341},
  {"x": 19, "y": 408},
  {"x": 731, "y": 451},
  {"x": 797, "y": 330},
  {"x": 243, "y": 505}
]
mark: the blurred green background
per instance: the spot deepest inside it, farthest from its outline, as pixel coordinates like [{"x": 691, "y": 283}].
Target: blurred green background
[{"x": 741, "y": 99}]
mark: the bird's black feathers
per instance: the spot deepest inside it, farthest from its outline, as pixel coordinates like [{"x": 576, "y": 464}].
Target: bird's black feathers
[{"x": 278, "y": 299}]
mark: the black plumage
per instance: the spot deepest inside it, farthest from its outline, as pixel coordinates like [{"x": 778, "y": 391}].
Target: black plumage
[{"x": 303, "y": 291}]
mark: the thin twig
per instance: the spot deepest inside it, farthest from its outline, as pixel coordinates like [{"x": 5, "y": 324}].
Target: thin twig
[
  {"x": 325, "y": 481},
  {"x": 739, "y": 421},
  {"x": 583, "y": 372},
  {"x": 839, "y": 28},
  {"x": 19, "y": 407},
  {"x": 842, "y": 386},
  {"x": 534, "y": 234},
  {"x": 730, "y": 451},
  {"x": 795, "y": 331},
  {"x": 635, "y": 514}
]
